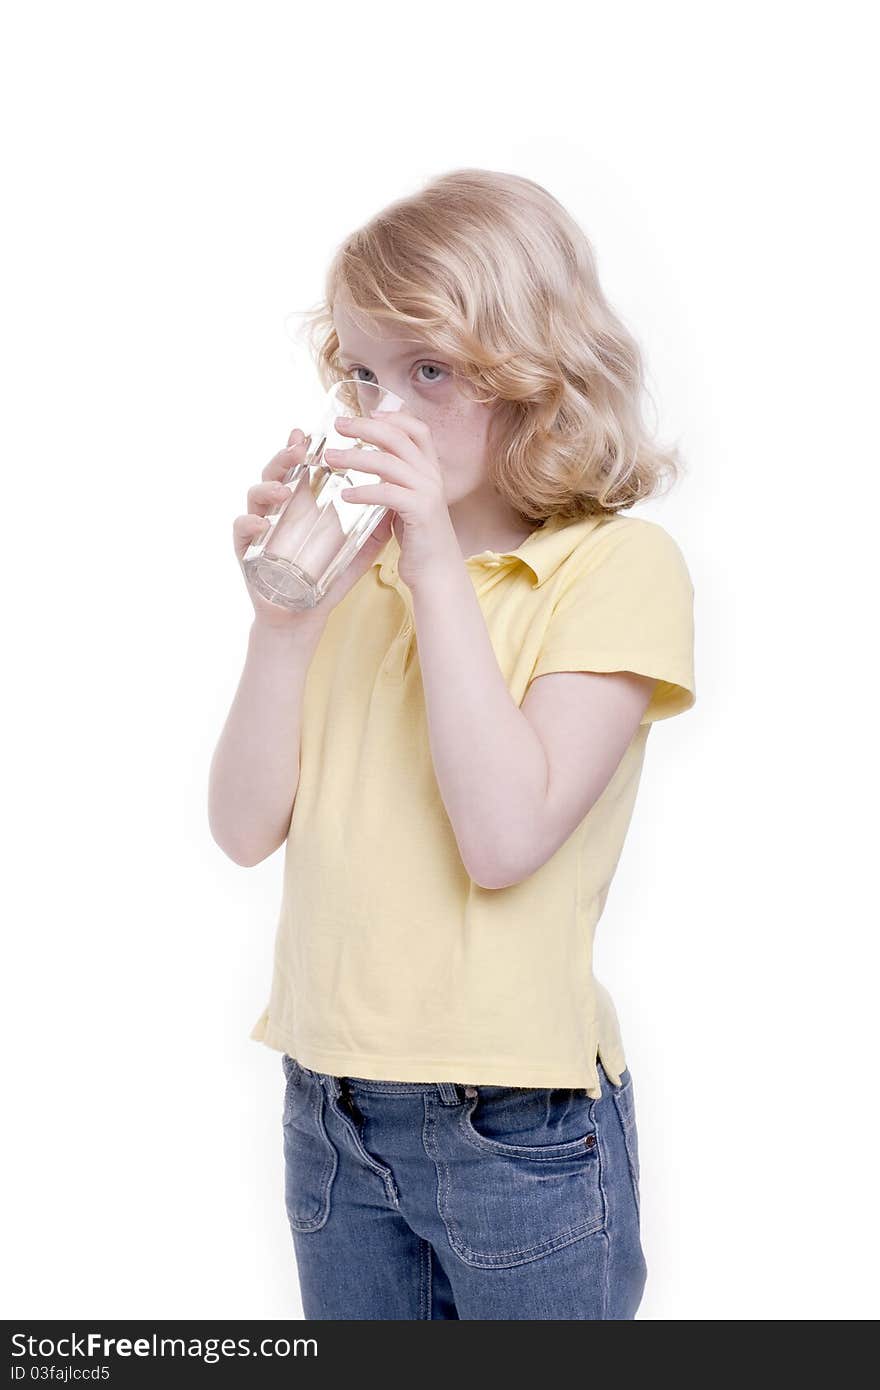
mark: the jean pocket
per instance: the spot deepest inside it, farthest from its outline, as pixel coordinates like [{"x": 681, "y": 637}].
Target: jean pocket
[
  {"x": 624, "y": 1101},
  {"x": 310, "y": 1158},
  {"x": 518, "y": 1174}
]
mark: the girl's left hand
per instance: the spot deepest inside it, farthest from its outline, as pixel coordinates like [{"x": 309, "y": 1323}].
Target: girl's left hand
[{"x": 406, "y": 458}]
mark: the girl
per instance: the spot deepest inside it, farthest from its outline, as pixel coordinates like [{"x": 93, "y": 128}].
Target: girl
[{"x": 449, "y": 747}]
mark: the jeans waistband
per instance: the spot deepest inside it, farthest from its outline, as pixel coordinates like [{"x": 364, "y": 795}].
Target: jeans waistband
[{"x": 448, "y": 1091}]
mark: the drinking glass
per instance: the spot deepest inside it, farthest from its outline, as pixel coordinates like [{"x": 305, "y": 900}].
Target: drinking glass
[{"x": 315, "y": 533}]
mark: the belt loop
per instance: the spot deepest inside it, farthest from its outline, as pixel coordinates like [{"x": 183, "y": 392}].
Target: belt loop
[
  {"x": 448, "y": 1092},
  {"x": 330, "y": 1084}
]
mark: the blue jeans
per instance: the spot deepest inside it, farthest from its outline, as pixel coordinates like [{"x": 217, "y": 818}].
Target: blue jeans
[{"x": 438, "y": 1200}]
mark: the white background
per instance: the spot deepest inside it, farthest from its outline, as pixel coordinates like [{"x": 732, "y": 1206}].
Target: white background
[{"x": 177, "y": 176}]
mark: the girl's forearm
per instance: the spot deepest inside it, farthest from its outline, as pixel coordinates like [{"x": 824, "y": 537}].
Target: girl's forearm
[
  {"x": 490, "y": 764},
  {"x": 255, "y": 767}
]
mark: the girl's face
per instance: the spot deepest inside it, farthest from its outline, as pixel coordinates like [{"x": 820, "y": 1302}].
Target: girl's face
[{"x": 429, "y": 390}]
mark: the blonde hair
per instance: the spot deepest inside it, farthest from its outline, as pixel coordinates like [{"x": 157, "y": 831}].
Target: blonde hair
[{"x": 493, "y": 273}]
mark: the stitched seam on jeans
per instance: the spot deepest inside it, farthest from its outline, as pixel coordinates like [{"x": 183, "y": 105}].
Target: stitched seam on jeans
[
  {"x": 331, "y": 1160},
  {"x": 488, "y": 1259},
  {"x": 544, "y": 1153},
  {"x": 600, "y": 1155},
  {"x": 627, "y": 1120},
  {"x": 424, "y": 1279}
]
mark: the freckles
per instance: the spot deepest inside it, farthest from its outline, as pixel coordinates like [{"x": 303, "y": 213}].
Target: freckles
[
  {"x": 462, "y": 418},
  {"x": 462, "y": 448},
  {"x": 460, "y": 428}
]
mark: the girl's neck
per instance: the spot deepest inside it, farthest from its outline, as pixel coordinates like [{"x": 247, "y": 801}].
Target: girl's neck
[{"x": 478, "y": 529}]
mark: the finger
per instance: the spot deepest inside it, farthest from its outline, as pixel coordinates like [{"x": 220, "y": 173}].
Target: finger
[
  {"x": 382, "y": 531},
  {"x": 246, "y": 529},
  {"x": 262, "y": 497},
  {"x": 417, "y": 430},
  {"x": 282, "y": 462},
  {"x": 384, "y": 434},
  {"x": 393, "y": 469},
  {"x": 382, "y": 494}
]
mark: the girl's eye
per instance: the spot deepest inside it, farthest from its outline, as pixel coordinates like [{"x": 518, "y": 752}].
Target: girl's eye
[
  {"x": 431, "y": 367},
  {"x": 424, "y": 366}
]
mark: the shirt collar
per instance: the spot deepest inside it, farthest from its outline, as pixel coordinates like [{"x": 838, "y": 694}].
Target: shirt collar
[{"x": 542, "y": 552}]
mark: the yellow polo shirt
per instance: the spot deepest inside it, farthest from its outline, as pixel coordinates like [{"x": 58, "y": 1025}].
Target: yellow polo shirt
[{"x": 390, "y": 962}]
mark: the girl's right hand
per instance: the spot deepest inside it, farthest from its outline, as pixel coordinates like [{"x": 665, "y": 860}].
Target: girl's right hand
[{"x": 262, "y": 498}]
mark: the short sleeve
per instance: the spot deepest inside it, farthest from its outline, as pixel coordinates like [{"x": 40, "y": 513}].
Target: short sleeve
[{"x": 625, "y": 603}]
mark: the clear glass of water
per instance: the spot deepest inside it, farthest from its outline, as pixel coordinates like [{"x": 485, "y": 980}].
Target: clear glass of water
[{"x": 316, "y": 533}]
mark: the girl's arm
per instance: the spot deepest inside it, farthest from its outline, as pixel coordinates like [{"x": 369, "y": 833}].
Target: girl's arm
[
  {"x": 255, "y": 767},
  {"x": 515, "y": 781}
]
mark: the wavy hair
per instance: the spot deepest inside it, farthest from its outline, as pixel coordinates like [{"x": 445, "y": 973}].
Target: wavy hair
[{"x": 495, "y": 275}]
